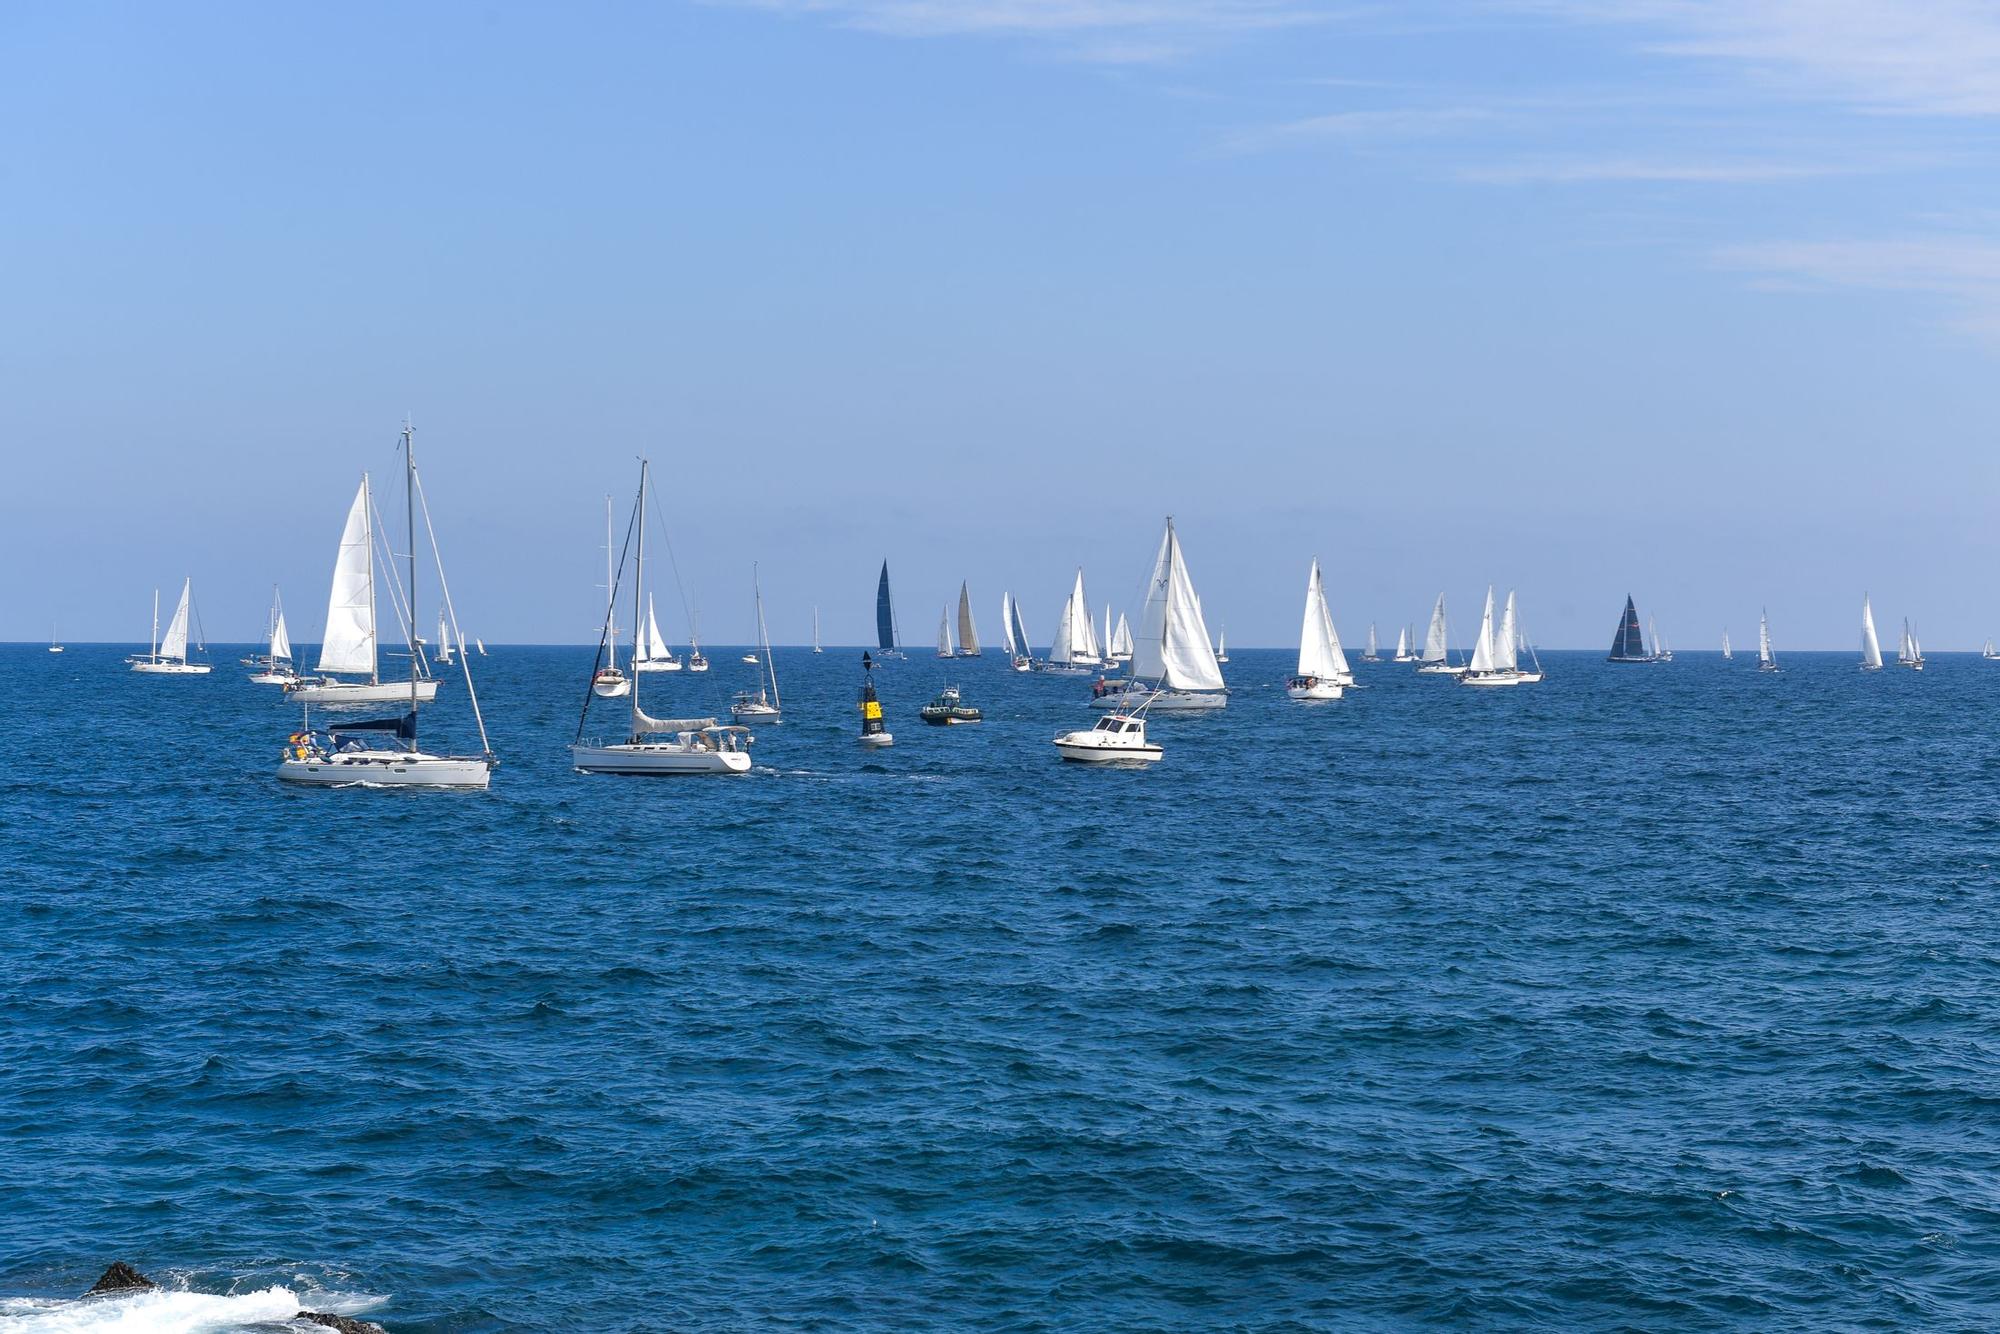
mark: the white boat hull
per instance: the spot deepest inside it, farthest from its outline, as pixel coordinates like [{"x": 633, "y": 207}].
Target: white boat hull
[
  {"x": 1312, "y": 689},
  {"x": 657, "y": 758},
  {"x": 610, "y": 689},
  {"x": 172, "y": 668},
  {"x": 657, "y": 665},
  {"x": 1440, "y": 669},
  {"x": 1162, "y": 701},
  {"x": 321, "y": 691},
  {"x": 272, "y": 678},
  {"x": 387, "y": 768},
  {"x": 1083, "y": 748},
  {"x": 754, "y": 713},
  {"x": 1490, "y": 679}
]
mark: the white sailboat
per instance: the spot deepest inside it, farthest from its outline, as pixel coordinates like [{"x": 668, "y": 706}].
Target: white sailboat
[
  {"x": 1989, "y": 652},
  {"x": 442, "y": 657},
  {"x": 168, "y": 656},
  {"x": 649, "y": 651},
  {"x": 55, "y": 644},
  {"x": 1372, "y": 653},
  {"x": 1321, "y": 666},
  {"x": 1909, "y": 653},
  {"x": 608, "y": 682},
  {"x": 1531, "y": 674},
  {"x": 1019, "y": 656},
  {"x": 1173, "y": 667},
  {"x": 944, "y": 633},
  {"x": 816, "y": 647},
  {"x": 1726, "y": 654},
  {"x": 1767, "y": 661},
  {"x": 695, "y": 663},
  {"x": 968, "y": 633},
  {"x": 1121, "y": 641},
  {"x": 274, "y": 667},
  {"x": 348, "y": 647},
  {"x": 1071, "y": 653},
  {"x": 1871, "y": 645},
  {"x": 1493, "y": 652},
  {"x": 1406, "y": 650},
  {"x": 1221, "y": 643},
  {"x": 659, "y": 746},
  {"x": 1659, "y": 651},
  {"x": 1435, "y": 660},
  {"x": 344, "y": 756},
  {"x": 761, "y": 705}
]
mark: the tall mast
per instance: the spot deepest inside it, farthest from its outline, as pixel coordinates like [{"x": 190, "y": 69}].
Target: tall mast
[
  {"x": 154, "y": 652},
  {"x": 410, "y": 522},
  {"x": 610, "y": 581},
  {"x": 638, "y": 586},
  {"x": 368, "y": 542}
]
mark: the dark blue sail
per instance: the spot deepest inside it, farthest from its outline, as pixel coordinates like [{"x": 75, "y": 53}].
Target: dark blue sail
[
  {"x": 405, "y": 727},
  {"x": 1628, "y": 644},
  {"x": 885, "y": 617}
]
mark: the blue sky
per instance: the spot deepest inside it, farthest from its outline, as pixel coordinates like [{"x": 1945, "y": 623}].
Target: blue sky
[{"x": 1696, "y": 300}]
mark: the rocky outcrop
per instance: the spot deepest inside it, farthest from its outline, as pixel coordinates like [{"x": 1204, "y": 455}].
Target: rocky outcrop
[
  {"x": 121, "y": 1277},
  {"x": 344, "y": 1323}
]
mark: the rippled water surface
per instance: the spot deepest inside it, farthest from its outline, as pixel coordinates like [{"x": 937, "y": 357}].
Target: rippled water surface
[{"x": 1651, "y": 996}]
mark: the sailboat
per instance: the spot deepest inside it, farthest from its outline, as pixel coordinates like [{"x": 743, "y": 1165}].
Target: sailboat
[
  {"x": 1321, "y": 665},
  {"x": 609, "y": 682},
  {"x": 1726, "y": 654},
  {"x": 1435, "y": 660},
  {"x": 968, "y": 633},
  {"x": 1405, "y": 646},
  {"x": 1627, "y": 644},
  {"x": 55, "y": 644},
  {"x": 944, "y": 633},
  {"x": 343, "y": 755},
  {"x": 1989, "y": 652},
  {"x": 1493, "y": 652},
  {"x": 169, "y": 656},
  {"x": 1173, "y": 667},
  {"x": 1121, "y": 641},
  {"x": 649, "y": 651},
  {"x": 1767, "y": 661},
  {"x": 1018, "y": 656},
  {"x": 274, "y": 668},
  {"x": 1073, "y": 652},
  {"x": 1221, "y": 643},
  {"x": 658, "y": 746},
  {"x": 816, "y": 647},
  {"x": 696, "y": 663},
  {"x": 443, "y": 656},
  {"x": 348, "y": 647},
  {"x": 1531, "y": 674},
  {"x": 1909, "y": 653},
  {"x": 762, "y": 704},
  {"x": 1871, "y": 645},
  {"x": 1372, "y": 652},
  {"x": 874, "y": 731},
  {"x": 479, "y": 644},
  {"x": 1660, "y": 651},
  {"x": 888, "y": 637}
]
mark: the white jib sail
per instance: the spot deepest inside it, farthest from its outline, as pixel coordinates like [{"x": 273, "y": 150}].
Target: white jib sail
[
  {"x": 1172, "y": 646},
  {"x": 174, "y": 646},
  {"x": 1082, "y": 634},
  {"x": 1007, "y": 624},
  {"x": 968, "y": 633},
  {"x": 651, "y": 643},
  {"x": 1319, "y": 656},
  {"x": 281, "y": 639},
  {"x": 1434, "y": 645},
  {"x": 1871, "y": 645},
  {"x": 1403, "y": 642},
  {"x": 1482, "y": 651},
  {"x": 1059, "y": 650},
  {"x": 349, "y": 643},
  {"x": 1121, "y": 638},
  {"x": 944, "y": 633},
  {"x": 1763, "y": 639},
  {"x": 1506, "y": 645}
]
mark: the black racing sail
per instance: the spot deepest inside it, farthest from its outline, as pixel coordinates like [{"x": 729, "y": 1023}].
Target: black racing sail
[
  {"x": 1628, "y": 643},
  {"x": 885, "y": 615},
  {"x": 871, "y": 707}
]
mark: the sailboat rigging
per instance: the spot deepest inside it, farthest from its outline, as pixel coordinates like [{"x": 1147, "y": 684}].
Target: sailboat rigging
[
  {"x": 762, "y": 704},
  {"x": 1322, "y": 667},
  {"x": 1174, "y": 668},
  {"x": 168, "y": 655},
  {"x": 274, "y": 666}
]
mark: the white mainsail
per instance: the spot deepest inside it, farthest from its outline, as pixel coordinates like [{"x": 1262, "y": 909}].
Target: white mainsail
[
  {"x": 349, "y": 642},
  {"x": 174, "y": 645},
  {"x": 1121, "y": 639},
  {"x": 1319, "y": 648},
  {"x": 1007, "y": 625},
  {"x": 1075, "y": 641},
  {"x": 1372, "y": 647},
  {"x": 1764, "y": 638},
  {"x": 1482, "y": 651},
  {"x": 944, "y": 633},
  {"x": 1871, "y": 646},
  {"x": 281, "y": 640},
  {"x": 1087, "y": 641},
  {"x": 1403, "y": 642},
  {"x": 1172, "y": 646},
  {"x": 652, "y": 645},
  {"x": 1059, "y": 649},
  {"x": 968, "y": 633},
  {"x": 1018, "y": 630},
  {"x": 1507, "y": 644},
  {"x": 1434, "y": 645}
]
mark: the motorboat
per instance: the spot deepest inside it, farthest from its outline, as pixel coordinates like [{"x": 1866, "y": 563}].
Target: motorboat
[{"x": 1116, "y": 738}]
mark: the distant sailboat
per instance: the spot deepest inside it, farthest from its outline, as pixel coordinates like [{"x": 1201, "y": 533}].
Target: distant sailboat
[
  {"x": 168, "y": 656},
  {"x": 944, "y": 633},
  {"x": 1767, "y": 661},
  {"x": 761, "y": 705},
  {"x": 1871, "y": 645},
  {"x": 1627, "y": 643},
  {"x": 1173, "y": 667},
  {"x": 1321, "y": 666},
  {"x": 1493, "y": 652},
  {"x": 1989, "y": 652},
  {"x": 695, "y": 662},
  {"x": 1726, "y": 654},
  {"x": 658, "y": 746},
  {"x": 888, "y": 639},
  {"x": 1909, "y": 653},
  {"x": 479, "y": 644},
  {"x": 649, "y": 651},
  {"x": 274, "y": 667},
  {"x": 874, "y": 731},
  {"x": 55, "y": 644},
  {"x": 968, "y": 633},
  {"x": 344, "y": 756},
  {"x": 1221, "y": 643},
  {"x": 816, "y": 647},
  {"x": 1121, "y": 641},
  {"x": 1435, "y": 660},
  {"x": 1371, "y": 653},
  {"x": 1073, "y": 651},
  {"x": 1018, "y": 655},
  {"x": 1532, "y": 674},
  {"x": 1405, "y": 645},
  {"x": 610, "y": 682},
  {"x": 1660, "y": 651},
  {"x": 443, "y": 656}
]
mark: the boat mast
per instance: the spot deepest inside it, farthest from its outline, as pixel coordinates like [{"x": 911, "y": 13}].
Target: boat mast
[
  {"x": 638, "y": 586},
  {"x": 368, "y": 545},
  {"x": 154, "y": 651},
  {"x": 410, "y": 521}
]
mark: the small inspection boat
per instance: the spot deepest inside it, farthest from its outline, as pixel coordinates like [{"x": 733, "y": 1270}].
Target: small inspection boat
[{"x": 948, "y": 709}]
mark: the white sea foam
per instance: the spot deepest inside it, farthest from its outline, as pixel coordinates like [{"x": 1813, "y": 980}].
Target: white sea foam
[{"x": 158, "y": 1311}]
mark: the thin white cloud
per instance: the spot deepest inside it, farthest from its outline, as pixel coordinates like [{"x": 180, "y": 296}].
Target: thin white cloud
[
  {"x": 1355, "y": 127},
  {"x": 1113, "y": 31},
  {"x": 1638, "y": 170},
  {"x": 1963, "y": 270}
]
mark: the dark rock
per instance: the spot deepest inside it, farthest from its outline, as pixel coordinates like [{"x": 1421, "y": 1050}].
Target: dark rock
[
  {"x": 121, "y": 1277},
  {"x": 344, "y": 1323}
]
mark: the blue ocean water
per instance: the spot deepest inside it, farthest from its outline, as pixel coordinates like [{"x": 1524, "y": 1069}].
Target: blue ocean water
[{"x": 1650, "y": 997}]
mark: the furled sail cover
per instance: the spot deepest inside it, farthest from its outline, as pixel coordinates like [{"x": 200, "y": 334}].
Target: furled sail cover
[
  {"x": 1172, "y": 646},
  {"x": 349, "y": 645},
  {"x": 645, "y": 723}
]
